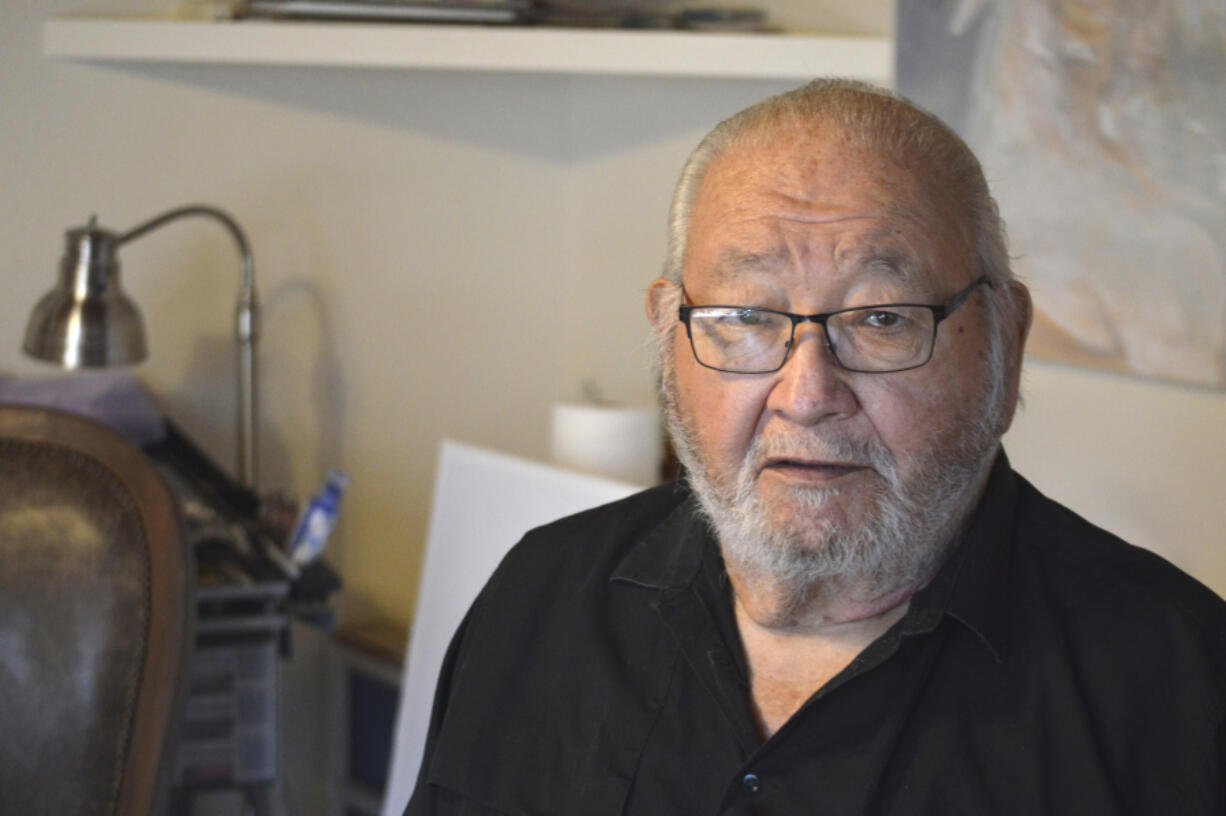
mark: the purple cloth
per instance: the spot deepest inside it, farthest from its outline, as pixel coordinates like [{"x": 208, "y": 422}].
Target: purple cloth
[{"x": 115, "y": 399}]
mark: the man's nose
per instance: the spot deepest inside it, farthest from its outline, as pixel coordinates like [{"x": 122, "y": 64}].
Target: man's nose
[{"x": 812, "y": 386}]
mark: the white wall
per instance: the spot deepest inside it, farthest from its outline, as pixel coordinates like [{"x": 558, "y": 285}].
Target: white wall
[
  {"x": 445, "y": 254},
  {"x": 1140, "y": 458}
]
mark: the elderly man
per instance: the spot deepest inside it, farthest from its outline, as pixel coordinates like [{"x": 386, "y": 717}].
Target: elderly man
[{"x": 852, "y": 604}]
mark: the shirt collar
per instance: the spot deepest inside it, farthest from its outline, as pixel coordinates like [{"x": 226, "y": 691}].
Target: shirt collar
[
  {"x": 668, "y": 556},
  {"x": 969, "y": 587}
]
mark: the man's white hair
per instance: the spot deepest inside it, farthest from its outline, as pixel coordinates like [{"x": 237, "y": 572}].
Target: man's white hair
[{"x": 873, "y": 118}]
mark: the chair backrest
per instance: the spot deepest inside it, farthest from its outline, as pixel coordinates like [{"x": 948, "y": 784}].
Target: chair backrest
[{"x": 95, "y": 619}]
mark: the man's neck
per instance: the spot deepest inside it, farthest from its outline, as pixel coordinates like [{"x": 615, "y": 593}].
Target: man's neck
[
  {"x": 792, "y": 653},
  {"x": 830, "y": 604},
  {"x": 789, "y": 663}
]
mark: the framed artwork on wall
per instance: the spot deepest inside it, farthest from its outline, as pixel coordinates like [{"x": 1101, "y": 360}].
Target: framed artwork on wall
[{"x": 1101, "y": 125}]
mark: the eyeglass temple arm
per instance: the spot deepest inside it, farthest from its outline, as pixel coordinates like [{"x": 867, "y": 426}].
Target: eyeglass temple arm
[{"x": 945, "y": 311}]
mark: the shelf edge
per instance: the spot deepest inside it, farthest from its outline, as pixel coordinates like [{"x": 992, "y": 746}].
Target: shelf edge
[{"x": 463, "y": 48}]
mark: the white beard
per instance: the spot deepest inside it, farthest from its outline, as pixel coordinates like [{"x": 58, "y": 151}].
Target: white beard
[{"x": 899, "y": 542}]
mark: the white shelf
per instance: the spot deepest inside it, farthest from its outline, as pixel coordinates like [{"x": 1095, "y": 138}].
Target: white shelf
[{"x": 468, "y": 48}]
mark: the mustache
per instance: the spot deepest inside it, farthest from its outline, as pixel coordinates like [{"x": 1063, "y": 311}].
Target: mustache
[{"x": 820, "y": 446}]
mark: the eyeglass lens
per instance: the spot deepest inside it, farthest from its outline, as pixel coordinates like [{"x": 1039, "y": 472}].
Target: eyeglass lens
[{"x": 754, "y": 340}]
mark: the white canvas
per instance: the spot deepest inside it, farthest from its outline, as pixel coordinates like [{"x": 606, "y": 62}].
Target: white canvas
[{"x": 483, "y": 503}]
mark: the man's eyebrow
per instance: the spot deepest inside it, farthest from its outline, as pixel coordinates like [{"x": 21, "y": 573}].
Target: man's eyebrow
[
  {"x": 878, "y": 257},
  {"x": 734, "y": 262}
]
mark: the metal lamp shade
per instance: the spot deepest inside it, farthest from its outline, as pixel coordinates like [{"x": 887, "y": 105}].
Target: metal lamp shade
[{"x": 87, "y": 321}]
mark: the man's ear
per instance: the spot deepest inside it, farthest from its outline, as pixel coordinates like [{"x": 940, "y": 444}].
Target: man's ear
[
  {"x": 661, "y": 302},
  {"x": 1015, "y": 349}
]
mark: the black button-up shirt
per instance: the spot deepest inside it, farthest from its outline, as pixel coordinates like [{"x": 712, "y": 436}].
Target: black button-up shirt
[{"x": 1049, "y": 668}]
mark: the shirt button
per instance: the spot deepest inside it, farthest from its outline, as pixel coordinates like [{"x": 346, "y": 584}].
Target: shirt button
[{"x": 751, "y": 783}]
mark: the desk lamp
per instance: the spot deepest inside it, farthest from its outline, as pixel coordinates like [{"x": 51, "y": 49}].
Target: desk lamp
[{"x": 87, "y": 321}]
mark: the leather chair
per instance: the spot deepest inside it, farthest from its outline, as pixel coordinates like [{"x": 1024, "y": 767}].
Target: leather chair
[{"x": 95, "y": 620}]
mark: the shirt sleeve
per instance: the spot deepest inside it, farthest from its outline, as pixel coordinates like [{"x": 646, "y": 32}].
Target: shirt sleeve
[{"x": 426, "y": 800}]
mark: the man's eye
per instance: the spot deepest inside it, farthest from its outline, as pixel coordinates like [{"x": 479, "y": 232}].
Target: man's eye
[{"x": 883, "y": 319}]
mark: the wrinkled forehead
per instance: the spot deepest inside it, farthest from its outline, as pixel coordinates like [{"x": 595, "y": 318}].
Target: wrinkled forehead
[
  {"x": 768, "y": 194},
  {"x": 822, "y": 161},
  {"x": 880, "y": 248}
]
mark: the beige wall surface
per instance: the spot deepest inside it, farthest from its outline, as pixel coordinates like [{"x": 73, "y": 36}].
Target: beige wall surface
[{"x": 445, "y": 254}]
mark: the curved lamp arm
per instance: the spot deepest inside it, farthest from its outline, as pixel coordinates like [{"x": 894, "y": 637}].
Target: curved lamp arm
[{"x": 246, "y": 329}]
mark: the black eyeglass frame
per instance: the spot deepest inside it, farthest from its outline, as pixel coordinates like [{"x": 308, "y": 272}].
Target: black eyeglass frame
[{"x": 939, "y": 313}]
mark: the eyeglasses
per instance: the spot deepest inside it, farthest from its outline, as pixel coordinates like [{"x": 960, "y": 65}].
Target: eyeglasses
[{"x": 870, "y": 339}]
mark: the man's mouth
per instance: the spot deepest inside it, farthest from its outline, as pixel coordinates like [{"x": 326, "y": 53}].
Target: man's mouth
[{"x": 812, "y": 470}]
